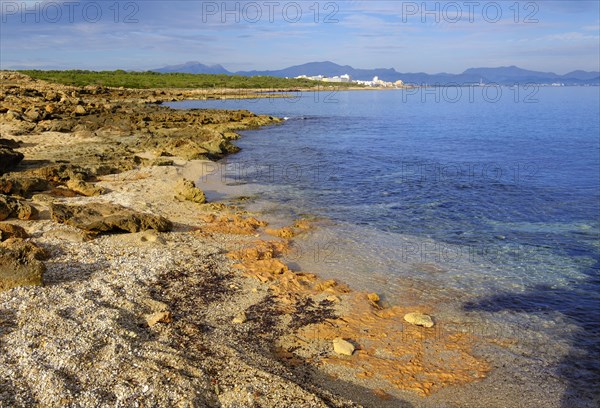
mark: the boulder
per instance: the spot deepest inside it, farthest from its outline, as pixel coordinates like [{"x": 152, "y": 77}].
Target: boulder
[
  {"x": 419, "y": 319},
  {"x": 25, "y": 249},
  {"x": 105, "y": 217},
  {"x": 187, "y": 190},
  {"x": 343, "y": 347},
  {"x": 19, "y": 270}
]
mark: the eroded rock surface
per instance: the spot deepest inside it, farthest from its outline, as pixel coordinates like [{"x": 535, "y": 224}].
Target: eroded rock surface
[{"x": 105, "y": 217}]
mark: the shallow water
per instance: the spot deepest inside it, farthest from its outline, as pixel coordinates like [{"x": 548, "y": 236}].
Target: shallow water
[{"x": 487, "y": 207}]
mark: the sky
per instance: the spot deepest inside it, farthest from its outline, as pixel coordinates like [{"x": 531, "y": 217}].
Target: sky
[{"x": 410, "y": 36}]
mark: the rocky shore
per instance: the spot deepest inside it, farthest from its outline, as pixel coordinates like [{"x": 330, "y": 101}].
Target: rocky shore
[{"x": 121, "y": 286}]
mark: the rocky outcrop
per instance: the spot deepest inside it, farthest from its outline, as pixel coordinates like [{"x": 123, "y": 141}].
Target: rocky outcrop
[{"x": 104, "y": 217}]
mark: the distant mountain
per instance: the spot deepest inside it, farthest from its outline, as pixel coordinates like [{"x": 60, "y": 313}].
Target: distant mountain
[
  {"x": 583, "y": 75},
  {"x": 327, "y": 68},
  {"x": 502, "y": 75},
  {"x": 194, "y": 67}
]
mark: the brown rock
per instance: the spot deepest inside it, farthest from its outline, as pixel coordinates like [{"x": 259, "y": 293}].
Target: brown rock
[
  {"x": 12, "y": 207},
  {"x": 104, "y": 217},
  {"x": 9, "y": 158},
  {"x": 24, "y": 186},
  {"x": 85, "y": 188},
  {"x": 18, "y": 270},
  {"x": 159, "y": 317},
  {"x": 13, "y": 115},
  {"x": 25, "y": 249},
  {"x": 11, "y": 231},
  {"x": 80, "y": 110},
  {"x": 33, "y": 114},
  {"x": 187, "y": 190}
]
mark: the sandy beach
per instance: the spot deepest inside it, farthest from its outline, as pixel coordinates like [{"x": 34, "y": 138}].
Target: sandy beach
[{"x": 133, "y": 290}]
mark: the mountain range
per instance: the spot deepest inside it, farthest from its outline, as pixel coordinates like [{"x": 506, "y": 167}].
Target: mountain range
[{"x": 500, "y": 75}]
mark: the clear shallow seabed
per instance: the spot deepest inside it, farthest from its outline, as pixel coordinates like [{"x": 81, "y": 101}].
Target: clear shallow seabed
[{"x": 485, "y": 204}]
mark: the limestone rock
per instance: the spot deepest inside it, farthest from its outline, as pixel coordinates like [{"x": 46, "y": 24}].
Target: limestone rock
[
  {"x": 25, "y": 249},
  {"x": 11, "y": 231},
  {"x": 9, "y": 158},
  {"x": 343, "y": 347},
  {"x": 187, "y": 190},
  {"x": 12, "y": 207},
  {"x": 18, "y": 270},
  {"x": 161, "y": 161},
  {"x": 62, "y": 173},
  {"x": 419, "y": 319},
  {"x": 105, "y": 217},
  {"x": 240, "y": 318},
  {"x": 5, "y": 210},
  {"x": 159, "y": 317},
  {"x": 24, "y": 186},
  {"x": 13, "y": 115},
  {"x": 85, "y": 188},
  {"x": 10, "y": 143},
  {"x": 80, "y": 110}
]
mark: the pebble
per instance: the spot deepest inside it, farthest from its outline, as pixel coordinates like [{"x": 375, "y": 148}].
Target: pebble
[{"x": 240, "y": 318}]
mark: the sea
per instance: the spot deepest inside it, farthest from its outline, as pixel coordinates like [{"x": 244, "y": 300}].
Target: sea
[{"x": 482, "y": 201}]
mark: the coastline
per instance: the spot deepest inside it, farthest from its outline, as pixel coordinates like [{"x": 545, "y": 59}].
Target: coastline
[{"x": 203, "y": 314}]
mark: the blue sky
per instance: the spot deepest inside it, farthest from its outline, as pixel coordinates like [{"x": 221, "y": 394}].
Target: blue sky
[{"x": 411, "y": 36}]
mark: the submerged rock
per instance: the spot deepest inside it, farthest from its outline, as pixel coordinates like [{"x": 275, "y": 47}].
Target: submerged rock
[
  {"x": 104, "y": 217},
  {"x": 419, "y": 319}
]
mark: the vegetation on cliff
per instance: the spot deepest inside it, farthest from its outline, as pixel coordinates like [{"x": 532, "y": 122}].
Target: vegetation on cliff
[{"x": 141, "y": 80}]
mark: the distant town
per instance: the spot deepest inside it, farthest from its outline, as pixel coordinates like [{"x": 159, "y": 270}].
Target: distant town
[
  {"x": 378, "y": 83},
  {"x": 375, "y": 82}
]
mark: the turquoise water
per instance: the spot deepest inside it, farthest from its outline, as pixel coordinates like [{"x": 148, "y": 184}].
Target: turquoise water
[{"x": 489, "y": 206}]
